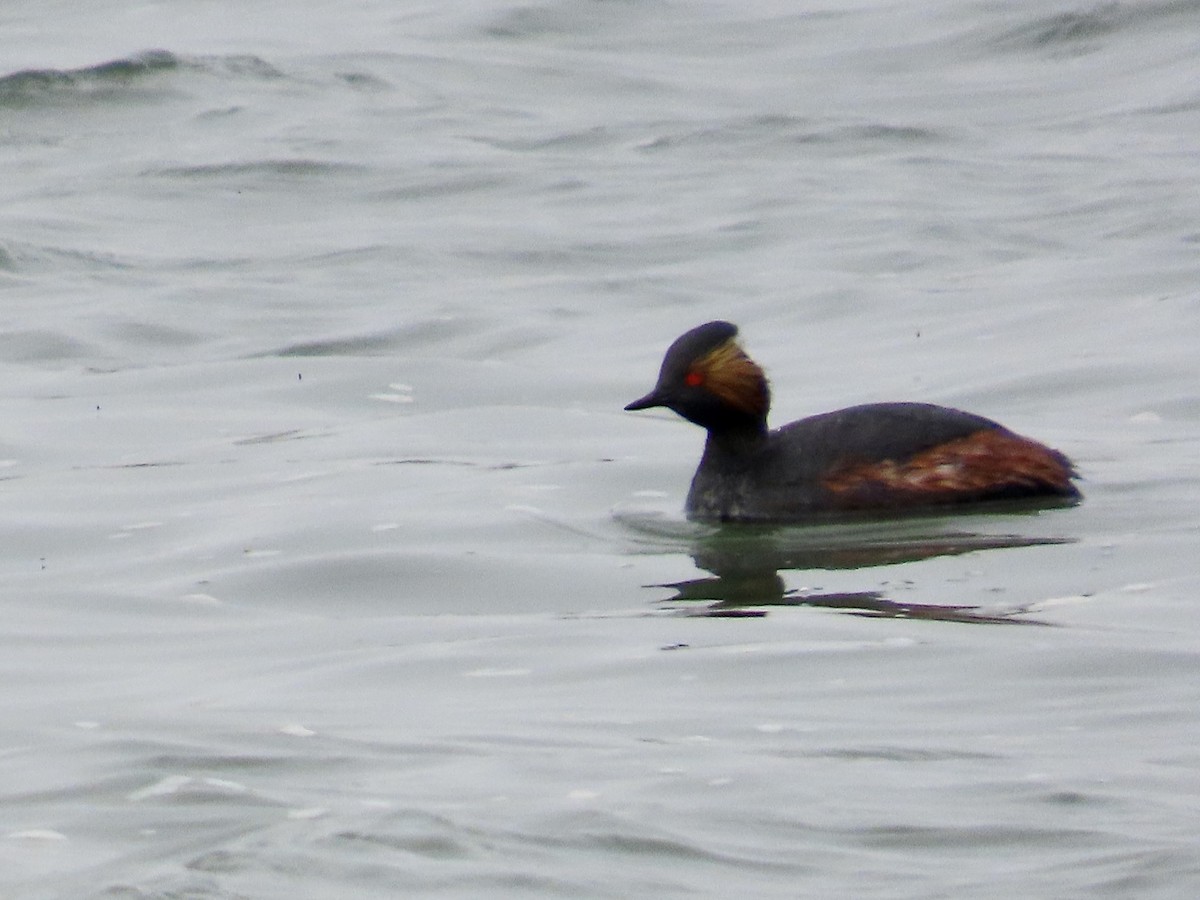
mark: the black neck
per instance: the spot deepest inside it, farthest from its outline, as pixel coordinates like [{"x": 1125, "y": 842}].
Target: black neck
[{"x": 736, "y": 441}]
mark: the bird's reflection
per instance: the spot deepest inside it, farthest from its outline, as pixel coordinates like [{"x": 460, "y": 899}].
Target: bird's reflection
[{"x": 745, "y": 564}]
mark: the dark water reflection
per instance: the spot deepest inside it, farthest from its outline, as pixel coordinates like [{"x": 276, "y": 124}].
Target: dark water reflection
[{"x": 745, "y": 563}]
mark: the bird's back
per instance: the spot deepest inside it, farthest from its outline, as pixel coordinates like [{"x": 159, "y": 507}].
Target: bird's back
[{"x": 875, "y": 456}]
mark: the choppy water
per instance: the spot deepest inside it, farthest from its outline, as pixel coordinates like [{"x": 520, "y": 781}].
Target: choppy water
[{"x": 332, "y": 566}]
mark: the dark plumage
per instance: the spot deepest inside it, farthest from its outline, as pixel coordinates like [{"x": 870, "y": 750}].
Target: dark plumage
[{"x": 879, "y": 456}]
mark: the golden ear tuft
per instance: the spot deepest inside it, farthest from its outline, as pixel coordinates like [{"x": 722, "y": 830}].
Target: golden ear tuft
[{"x": 734, "y": 377}]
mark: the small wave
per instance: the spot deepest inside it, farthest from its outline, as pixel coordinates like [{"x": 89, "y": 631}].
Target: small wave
[
  {"x": 119, "y": 76},
  {"x": 358, "y": 345},
  {"x": 272, "y": 168},
  {"x": 29, "y": 85},
  {"x": 1067, "y": 28},
  {"x": 420, "y": 335},
  {"x": 1080, "y": 30},
  {"x": 786, "y": 131},
  {"x": 873, "y": 132},
  {"x": 433, "y": 188},
  {"x": 41, "y": 346},
  {"x": 24, "y": 258},
  {"x": 560, "y": 20}
]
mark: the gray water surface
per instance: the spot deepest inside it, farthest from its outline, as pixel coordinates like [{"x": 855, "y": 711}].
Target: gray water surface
[{"x": 332, "y": 566}]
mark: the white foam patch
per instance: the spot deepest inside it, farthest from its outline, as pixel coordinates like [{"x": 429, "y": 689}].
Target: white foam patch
[
  {"x": 163, "y": 787},
  {"x": 314, "y": 812},
  {"x": 224, "y": 784},
  {"x": 1065, "y": 600},
  {"x": 497, "y": 673},
  {"x": 201, "y": 599},
  {"x": 396, "y": 393},
  {"x": 391, "y": 398},
  {"x": 37, "y": 834}
]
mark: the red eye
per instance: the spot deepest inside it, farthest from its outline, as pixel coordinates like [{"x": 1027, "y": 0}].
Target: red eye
[{"x": 693, "y": 379}]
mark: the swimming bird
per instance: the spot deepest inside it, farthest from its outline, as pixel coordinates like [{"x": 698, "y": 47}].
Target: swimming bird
[{"x": 877, "y": 457}]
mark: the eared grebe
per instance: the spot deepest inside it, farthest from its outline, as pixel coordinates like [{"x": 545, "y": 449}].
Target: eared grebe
[{"x": 879, "y": 456}]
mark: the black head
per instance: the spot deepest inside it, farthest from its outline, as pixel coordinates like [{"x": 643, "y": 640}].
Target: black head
[{"x": 708, "y": 379}]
